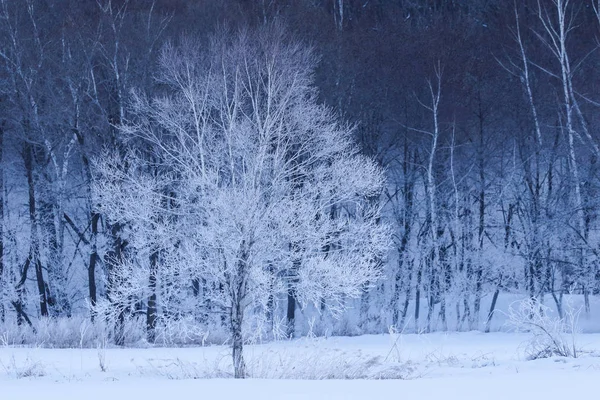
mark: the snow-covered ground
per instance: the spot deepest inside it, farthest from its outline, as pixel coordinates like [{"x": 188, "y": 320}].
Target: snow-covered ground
[{"x": 449, "y": 366}]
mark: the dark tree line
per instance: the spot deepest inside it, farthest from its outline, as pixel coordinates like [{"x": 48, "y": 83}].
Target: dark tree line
[{"x": 484, "y": 115}]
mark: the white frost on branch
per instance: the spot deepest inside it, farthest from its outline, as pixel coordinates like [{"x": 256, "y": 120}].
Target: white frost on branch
[{"x": 244, "y": 179}]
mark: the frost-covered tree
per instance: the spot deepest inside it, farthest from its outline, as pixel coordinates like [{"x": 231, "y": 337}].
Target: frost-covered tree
[{"x": 240, "y": 169}]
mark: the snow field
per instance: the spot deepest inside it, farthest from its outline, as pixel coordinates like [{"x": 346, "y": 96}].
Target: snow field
[{"x": 450, "y": 366}]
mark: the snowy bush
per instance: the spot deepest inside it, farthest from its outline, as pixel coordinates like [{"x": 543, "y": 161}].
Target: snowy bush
[
  {"x": 550, "y": 334},
  {"x": 51, "y": 332},
  {"x": 185, "y": 331},
  {"x": 28, "y": 368},
  {"x": 312, "y": 358},
  {"x": 74, "y": 332}
]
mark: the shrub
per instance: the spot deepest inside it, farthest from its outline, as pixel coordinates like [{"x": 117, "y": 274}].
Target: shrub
[{"x": 551, "y": 335}]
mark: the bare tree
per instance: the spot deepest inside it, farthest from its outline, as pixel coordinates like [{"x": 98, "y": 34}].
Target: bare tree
[
  {"x": 257, "y": 165},
  {"x": 435, "y": 91},
  {"x": 558, "y": 22}
]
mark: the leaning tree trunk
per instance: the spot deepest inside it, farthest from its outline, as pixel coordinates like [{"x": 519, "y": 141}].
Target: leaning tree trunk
[{"x": 488, "y": 321}]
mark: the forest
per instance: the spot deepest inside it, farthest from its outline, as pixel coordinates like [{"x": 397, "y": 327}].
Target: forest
[{"x": 178, "y": 172}]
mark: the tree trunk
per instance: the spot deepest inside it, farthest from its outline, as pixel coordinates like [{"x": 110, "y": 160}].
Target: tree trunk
[
  {"x": 481, "y": 229},
  {"x": 112, "y": 260},
  {"x": 398, "y": 286},
  {"x": 93, "y": 260},
  {"x": 58, "y": 298},
  {"x": 20, "y": 290},
  {"x": 418, "y": 297},
  {"x": 291, "y": 300},
  {"x": 270, "y": 306},
  {"x": 239, "y": 366},
  {"x": 119, "y": 331},
  {"x": 430, "y": 188},
  {"x": 22, "y": 315},
  {"x": 407, "y": 219},
  {"x": 477, "y": 302},
  {"x": 430, "y": 298},
  {"x": 406, "y": 297},
  {"x": 365, "y": 300},
  {"x": 291, "y": 311},
  {"x": 558, "y": 302},
  {"x": 488, "y": 322},
  {"x": 95, "y": 218},
  {"x": 444, "y": 283},
  {"x": 151, "y": 311},
  {"x": 34, "y": 250}
]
